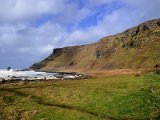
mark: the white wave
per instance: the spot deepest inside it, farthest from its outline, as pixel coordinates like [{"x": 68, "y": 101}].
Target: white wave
[{"x": 32, "y": 75}]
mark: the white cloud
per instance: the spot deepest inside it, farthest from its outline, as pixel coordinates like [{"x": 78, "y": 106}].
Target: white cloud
[
  {"x": 112, "y": 23},
  {"x": 45, "y": 49},
  {"x": 33, "y": 43},
  {"x": 72, "y": 14},
  {"x": 20, "y": 37},
  {"x": 23, "y": 10}
]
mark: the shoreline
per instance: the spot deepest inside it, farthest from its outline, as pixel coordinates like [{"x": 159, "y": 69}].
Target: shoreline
[{"x": 23, "y": 76}]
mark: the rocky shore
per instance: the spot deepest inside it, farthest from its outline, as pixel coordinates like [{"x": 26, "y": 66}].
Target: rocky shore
[{"x": 28, "y": 76}]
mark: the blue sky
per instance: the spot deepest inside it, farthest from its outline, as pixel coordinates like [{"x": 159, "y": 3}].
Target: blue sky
[{"x": 31, "y": 29}]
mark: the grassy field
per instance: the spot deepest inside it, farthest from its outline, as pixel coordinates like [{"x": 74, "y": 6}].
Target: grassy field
[{"x": 115, "y": 97}]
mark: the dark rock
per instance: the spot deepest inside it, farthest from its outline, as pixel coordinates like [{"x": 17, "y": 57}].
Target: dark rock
[
  {"x": 157, "y": 67},
  {"x": 72, "y": 63},
  {"x": 137, "y": 75},
  {"x": 3, "y": 81},
  {"x": 8, "y": 68},
  {"x": 143, "y": 27},
  {"x": 98, "y": 54},
  {"x": 37, "y": 66},
  {"x": 158, "y": 23}
]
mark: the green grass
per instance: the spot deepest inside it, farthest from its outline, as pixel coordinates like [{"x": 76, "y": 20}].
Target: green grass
[{"x": 114, "y": 97}]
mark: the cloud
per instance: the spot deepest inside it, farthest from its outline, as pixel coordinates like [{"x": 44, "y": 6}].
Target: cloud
[
  {"x": 112, "y": 23},
  {"x": 71, "y": 14},
  {"x": 24, "y": 10},
  {"x": 116, "y": 21},
  {"x": 30, "y": 29},
  {"x": 31, "y": 43}
]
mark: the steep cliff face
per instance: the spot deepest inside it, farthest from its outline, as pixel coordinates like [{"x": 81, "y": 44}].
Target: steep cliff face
[{"x": 138, "y": 47}]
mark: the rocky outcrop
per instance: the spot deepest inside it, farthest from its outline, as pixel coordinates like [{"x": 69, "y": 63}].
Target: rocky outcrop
[
  {"x": 133, "y": 48},
  {"x": 56, "y": 53},
  {"x": 149, "y": 25}
]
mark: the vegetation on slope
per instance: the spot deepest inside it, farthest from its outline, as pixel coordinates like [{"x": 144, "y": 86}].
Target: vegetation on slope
[{"x": 138, "y": 47}]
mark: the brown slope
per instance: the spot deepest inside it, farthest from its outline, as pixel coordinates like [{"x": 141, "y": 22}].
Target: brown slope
[{"x": 138, "y": 47}]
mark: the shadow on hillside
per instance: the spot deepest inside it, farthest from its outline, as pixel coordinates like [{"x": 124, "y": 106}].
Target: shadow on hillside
[{"x": 41, "y": 101}]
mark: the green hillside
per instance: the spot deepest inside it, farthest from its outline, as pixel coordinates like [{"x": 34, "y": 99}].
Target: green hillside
[{"x": 138, "y": 47}]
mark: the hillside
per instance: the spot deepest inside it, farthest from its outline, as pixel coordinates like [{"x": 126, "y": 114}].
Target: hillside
[{"x": 135, "y": 48}]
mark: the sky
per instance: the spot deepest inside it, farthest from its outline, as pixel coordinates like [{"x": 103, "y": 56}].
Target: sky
[{"x": 31, "y": 29}]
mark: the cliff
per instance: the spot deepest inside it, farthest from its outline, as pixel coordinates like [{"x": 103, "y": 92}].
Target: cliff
[{"x": 138, "y": 47}]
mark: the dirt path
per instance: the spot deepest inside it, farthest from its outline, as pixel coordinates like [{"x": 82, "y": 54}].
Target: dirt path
[{"x": 104, "y": 73}]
